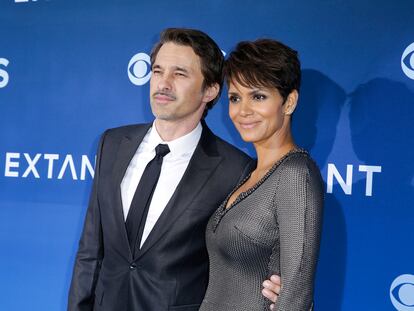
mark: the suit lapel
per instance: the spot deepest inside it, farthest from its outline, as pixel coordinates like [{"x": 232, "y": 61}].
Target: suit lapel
[
  {"x": 202, "y": 164},
  {"x": 126, "y": 151}
]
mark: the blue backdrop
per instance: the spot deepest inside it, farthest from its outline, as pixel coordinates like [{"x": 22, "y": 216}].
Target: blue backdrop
[{"x": 70, "y": 69}]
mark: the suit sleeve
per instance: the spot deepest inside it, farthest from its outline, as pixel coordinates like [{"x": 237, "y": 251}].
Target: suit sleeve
[
  {"x": 90, "y": 252},
  {"x": 298, "y": 202}
]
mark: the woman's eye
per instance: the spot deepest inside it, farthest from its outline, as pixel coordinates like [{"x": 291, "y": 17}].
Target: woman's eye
[
  {"x": 234, "y": 99},
  {"x": 259, "y": 97}
]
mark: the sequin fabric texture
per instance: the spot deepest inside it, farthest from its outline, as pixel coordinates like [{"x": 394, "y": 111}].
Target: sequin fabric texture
[{"x": 272, "y": 228}]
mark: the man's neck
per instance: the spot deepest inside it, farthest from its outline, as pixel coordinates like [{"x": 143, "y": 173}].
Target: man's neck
[{"x": 169, "y": 131}]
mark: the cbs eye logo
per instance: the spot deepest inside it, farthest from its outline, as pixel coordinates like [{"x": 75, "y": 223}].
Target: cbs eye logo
[
  {"x": 4, "y": 76},
  {"x": 402, "y": 292},
  {"x": 139, "y": 69},
  {"x": 407, "y": 61}
]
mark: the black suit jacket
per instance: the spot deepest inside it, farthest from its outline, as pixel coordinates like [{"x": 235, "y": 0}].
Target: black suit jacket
[{"x": 170, "y": 272}]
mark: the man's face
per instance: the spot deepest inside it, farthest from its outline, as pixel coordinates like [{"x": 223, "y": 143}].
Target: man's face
[{"x": 176, "y": 85}]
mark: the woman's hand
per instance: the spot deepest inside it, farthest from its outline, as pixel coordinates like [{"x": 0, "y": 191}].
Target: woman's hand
[{"x": 271, "y": 289}]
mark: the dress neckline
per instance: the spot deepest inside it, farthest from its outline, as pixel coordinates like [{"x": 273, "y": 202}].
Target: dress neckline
[{"x": 222, "y": 210}]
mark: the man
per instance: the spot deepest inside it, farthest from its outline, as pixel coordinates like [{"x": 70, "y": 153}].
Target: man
[{"x": 155, "y": 187}]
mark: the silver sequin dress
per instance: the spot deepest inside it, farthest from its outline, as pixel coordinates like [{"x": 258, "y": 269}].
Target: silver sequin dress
[{"x": 272, "y": 228}]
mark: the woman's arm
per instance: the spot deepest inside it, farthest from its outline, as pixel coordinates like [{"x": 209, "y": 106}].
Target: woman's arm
[{"x": 298, "y": 203}]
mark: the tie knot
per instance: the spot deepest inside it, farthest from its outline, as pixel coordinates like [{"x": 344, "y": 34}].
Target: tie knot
[{"x": 162, "y": 150}]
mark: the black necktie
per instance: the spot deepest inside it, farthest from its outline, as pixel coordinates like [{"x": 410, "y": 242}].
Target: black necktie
[{"x": 138, "y": 210}]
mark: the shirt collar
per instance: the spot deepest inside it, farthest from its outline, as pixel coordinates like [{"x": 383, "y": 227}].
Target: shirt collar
[{"x": 179, "y": 146}]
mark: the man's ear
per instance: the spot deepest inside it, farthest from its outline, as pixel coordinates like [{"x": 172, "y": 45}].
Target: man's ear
[
  {"x": 291, "y": 102},
  {"x": 211, "y": 92}
]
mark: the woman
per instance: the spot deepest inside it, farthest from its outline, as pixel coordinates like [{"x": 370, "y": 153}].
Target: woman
[{"x": 271, "y": 222}]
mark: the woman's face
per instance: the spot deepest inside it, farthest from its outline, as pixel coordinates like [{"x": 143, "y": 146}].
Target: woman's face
[{"x": 258, "y": 113}]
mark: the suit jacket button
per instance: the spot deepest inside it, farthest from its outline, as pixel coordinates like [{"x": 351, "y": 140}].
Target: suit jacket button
[{"x": 132, "y": 267}]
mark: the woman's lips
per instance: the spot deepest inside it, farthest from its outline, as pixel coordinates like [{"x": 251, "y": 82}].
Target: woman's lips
[{"x": 248, "y": 125}]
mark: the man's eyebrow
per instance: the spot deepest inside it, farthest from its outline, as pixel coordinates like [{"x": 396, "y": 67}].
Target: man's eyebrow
[
  {"x": 174, "y": 68},
  {"x": 180, "y": 68}
]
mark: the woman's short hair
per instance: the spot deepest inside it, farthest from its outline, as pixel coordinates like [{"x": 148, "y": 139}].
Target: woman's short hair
[{"x": 264, "y": 63}]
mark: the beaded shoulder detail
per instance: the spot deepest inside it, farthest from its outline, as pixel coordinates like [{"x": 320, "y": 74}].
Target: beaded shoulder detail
[{"x": 222, "y": 210}]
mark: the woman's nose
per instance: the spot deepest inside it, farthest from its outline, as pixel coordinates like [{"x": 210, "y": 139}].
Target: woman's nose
[{"x": 245, "y": 108}]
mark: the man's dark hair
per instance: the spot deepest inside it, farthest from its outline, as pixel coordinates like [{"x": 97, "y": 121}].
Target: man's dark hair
[
  {"x": 211, "y": 57},
  {"x": 264, "y": 63}
]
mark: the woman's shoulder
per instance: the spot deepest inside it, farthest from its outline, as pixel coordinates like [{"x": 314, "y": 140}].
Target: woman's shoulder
[
  {"x": 298, "y": 175},
  {"x": 296, "y": 163}
]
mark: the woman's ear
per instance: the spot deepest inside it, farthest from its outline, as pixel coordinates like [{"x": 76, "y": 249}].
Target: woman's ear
[{"x": 291, "y": 102}]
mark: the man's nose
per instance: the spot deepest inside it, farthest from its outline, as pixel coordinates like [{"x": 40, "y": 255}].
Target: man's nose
[{"x": 165, "y": 82}]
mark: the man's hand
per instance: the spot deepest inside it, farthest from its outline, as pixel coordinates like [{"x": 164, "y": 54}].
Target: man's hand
[{"x": 271, "y": 289}]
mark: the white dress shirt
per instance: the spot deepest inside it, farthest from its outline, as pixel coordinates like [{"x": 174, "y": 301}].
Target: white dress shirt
[{"x": 172, "y": 170}]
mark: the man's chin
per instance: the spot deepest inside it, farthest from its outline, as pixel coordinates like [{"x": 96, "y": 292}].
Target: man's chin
[
  {"x": 161, "y": 112},
  {"x": 165, "y": 117}
]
